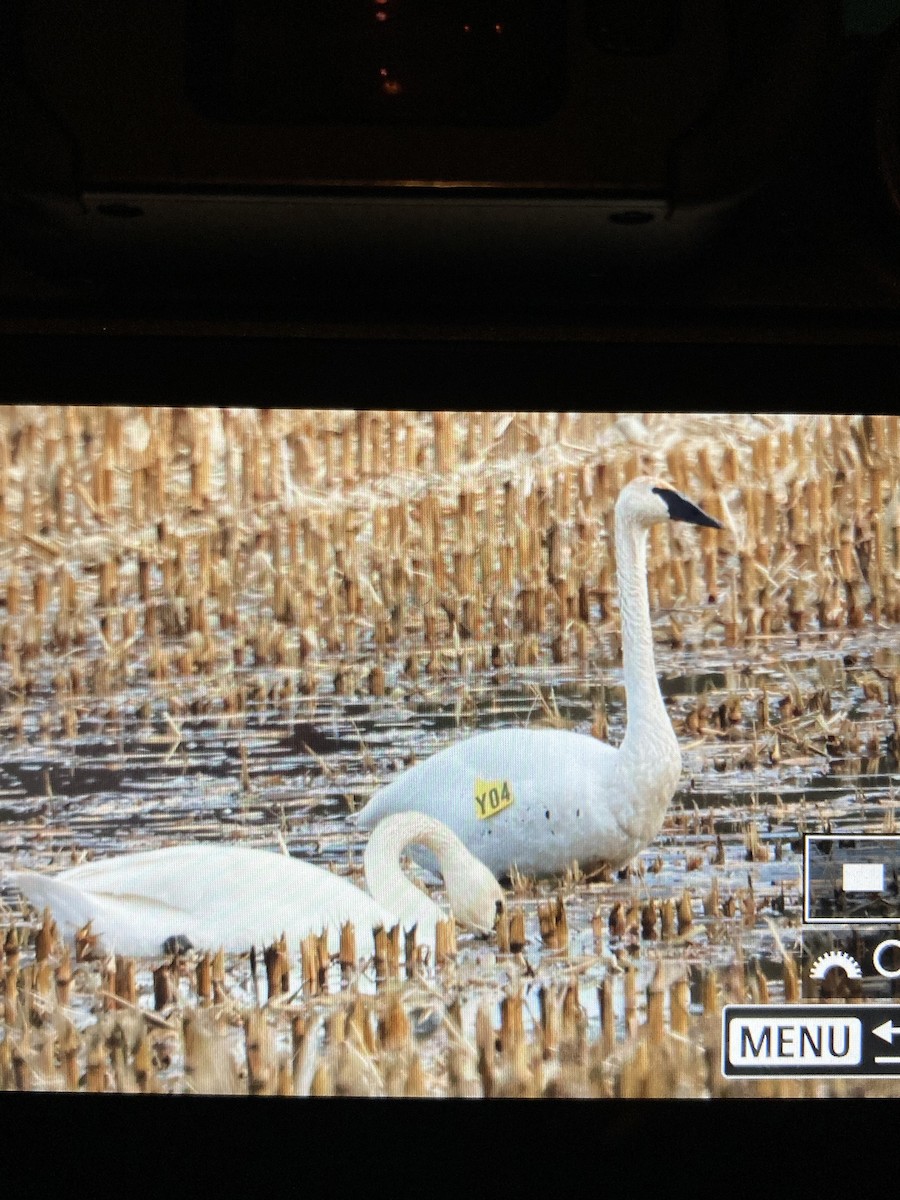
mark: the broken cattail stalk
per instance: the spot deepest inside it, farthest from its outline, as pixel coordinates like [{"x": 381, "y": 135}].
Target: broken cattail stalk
[
  {"x": 485, "y": 1041},
  {"x": 415, "y": 1080},
  {"x": 359, "y": 1026},
  {"x": 680, "y": 1006},
  {"x": 597, "y": 929},
  {"x": 259, "y": 1047},
  {"x": 547, "y": 924},
  {"x": 45, "y": 938},
  {"x": 217, "y": 976},
  {"x": 204, "y": 979},
  {"x": 163, "y": 988},
  {"x": 572, "y": 1020},
  {"x": 711, "y": 902},
  {"x": 512, "y": 1023},
  {"x": 144, "y": 1066},
  {"x": 444, "y": 941},
  {"x": 561, "y": 924},
  {"x": 656, "y": 999},
  {"x": 11, "y": 996},
  {"x": 410, "y": 953},
  {"x": 649, "y": 917},
  {"x": 284, "y": 1084},
  {"x": 64, "y": 978},
  {"x": 629, "y": 983},
  {"x": 635, "y": 1075},
  {"x": 95, "y": 1076},
  {"x": 277, "y": 964},
  {"x": 347, "y": 950},
  {"x": 517, "y": 938},
  {"x": 711, "y": 999},
  {"x": 618, "y": 923},
  {"x": 86, "y": 943},
  {"x": 667, "y": 912},
  {"x": 126, "y": 980},
  {"x": 335, "y": 1027},
  {"x": 761, "y": 985},
  {"x": 68, "y": 1048},
  {"x": 549, "y": 1010},
  {"x": 791, "y": 977},
  {"x": 393, "y": 949},
  {"x": 685, "y": 912},
  {"x": 394, "y": 1030},
  {"x": 309, "y": 963},
  {"x": 382, "y": 955},
  {"x": 501, "y": 930}
]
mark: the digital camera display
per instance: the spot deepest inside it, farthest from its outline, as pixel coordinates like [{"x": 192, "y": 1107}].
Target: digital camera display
[{"x": 449, "y": 754}]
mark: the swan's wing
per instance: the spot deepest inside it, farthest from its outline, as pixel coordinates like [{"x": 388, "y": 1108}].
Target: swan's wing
[
  {"x": 273, "y": 894},
  {"x": 230, "y": 896},
  {"x": 158, "y": 870},
  {"x": 130, "y": 924},
  {"x": 536, "y": 798},
  {"x": 198, "y": 878}
]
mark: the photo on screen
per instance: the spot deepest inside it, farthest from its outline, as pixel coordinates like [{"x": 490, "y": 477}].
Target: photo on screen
[{"x": 448, "y": 754}]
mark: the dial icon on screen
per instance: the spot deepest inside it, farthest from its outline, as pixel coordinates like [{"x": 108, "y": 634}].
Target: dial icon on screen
[{"x": 835, "y": 958}]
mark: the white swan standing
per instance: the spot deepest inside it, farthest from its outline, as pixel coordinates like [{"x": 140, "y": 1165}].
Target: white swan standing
[
  {"x": 537, "y": 799},
  {"x": 236, "y": 897}
]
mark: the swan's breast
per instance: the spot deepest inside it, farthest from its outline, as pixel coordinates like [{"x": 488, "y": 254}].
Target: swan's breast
[{"x": 649, "y": 769}]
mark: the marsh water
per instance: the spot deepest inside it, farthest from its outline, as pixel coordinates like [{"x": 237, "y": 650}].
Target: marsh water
[{"x": 789, "y": 736}]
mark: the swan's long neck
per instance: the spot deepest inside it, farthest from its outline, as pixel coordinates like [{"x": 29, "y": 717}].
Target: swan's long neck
[
  {"x": 648, "y": 723},
  {"x": 387, "y": 883}
]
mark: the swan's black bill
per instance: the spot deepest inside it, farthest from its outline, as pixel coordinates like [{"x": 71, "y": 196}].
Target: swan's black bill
[{"x": 683, "y": 510}]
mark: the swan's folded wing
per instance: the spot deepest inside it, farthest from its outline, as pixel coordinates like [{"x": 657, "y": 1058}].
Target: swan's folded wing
[
  {"x": 230, "y": 895},
  {"x": 188, "y": 878},
  {"x": 280, "y": 895},
  {"x": 214, "y": 895},
  {"x": 529, "y": 761},
  {"x": 130, "y": 923}
]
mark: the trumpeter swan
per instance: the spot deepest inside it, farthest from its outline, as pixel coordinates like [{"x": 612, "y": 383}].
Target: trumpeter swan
[
  {"x": 537, "y": 799},
  {"x": 236, "y": 897}
]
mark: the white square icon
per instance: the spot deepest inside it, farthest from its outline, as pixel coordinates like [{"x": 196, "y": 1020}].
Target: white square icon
[{"x": 863, "y": 877}]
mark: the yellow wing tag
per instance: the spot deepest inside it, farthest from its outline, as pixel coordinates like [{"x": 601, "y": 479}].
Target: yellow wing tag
[{"x": 491, "y": 797}]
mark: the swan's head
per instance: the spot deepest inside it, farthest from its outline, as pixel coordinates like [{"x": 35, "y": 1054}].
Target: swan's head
[
  {"x": 473, "y": 893},
  {"x": 472, "y": 890},
  {"x": 647, "y": 501}
]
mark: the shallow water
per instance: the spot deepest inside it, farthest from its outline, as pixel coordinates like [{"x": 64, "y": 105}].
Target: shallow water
[
  {"x": 143, "y": 771},
  {"x": 289, "y": 771}
]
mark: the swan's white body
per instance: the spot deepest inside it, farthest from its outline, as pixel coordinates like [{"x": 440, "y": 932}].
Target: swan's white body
[
  {"x": 236, "y": 898},
  {"x": 565, "y": 796}
]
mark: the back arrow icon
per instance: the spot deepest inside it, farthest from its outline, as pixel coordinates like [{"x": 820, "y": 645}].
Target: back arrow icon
[{"x": 886, "y": 1031}]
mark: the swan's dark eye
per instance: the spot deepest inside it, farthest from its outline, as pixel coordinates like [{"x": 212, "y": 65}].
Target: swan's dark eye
[{"x": 547, "y": 814}]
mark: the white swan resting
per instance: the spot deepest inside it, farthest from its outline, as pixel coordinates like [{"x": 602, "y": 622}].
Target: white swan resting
[
  {"x": 537, "y": 799},
  {"x": 234, "y": 897}
]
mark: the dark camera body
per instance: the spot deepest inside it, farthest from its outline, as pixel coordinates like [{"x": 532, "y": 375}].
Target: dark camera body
[{"x": 257, "y": 139}]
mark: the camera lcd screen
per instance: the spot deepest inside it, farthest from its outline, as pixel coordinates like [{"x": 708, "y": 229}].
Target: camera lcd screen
[{"x": 617, "y": 689}]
